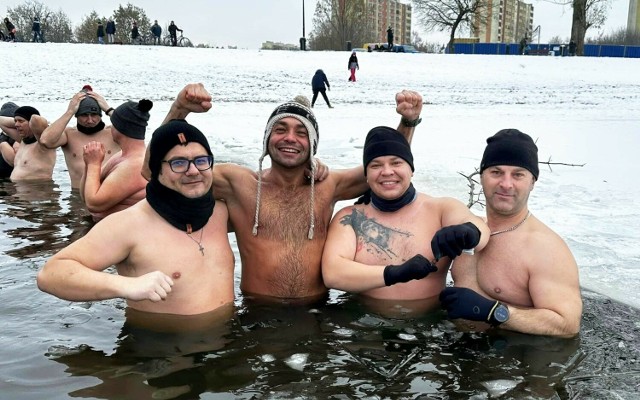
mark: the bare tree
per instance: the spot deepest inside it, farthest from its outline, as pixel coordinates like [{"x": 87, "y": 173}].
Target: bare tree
[
  {"x": 338, "y": 22},
  {"x": 450, "y": 15},
  {"x": 22, "y": 17}
]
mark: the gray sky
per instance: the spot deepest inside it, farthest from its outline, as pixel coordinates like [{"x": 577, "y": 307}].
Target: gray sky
[{"x": 248, "y": 23}]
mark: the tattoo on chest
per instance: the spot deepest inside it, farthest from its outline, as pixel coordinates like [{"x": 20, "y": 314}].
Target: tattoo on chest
[{"x": 372, "y": 235}]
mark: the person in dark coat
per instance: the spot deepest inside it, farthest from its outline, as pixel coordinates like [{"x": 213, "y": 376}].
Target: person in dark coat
[
  {"x": 173, "y": 28},
  {"x": 100, "y": 33},
  {"x": 11, "y": 29},
  {"x": 390, "y": 38},
  {"x": 35, "y": 28},
  {"x": 353, "y": 65},
  {"x": 156, "y": 30},
  {"x": 318, "y": 83},
  {"x": 111, "y": 31},
  {"x": 135, "y": 35}
]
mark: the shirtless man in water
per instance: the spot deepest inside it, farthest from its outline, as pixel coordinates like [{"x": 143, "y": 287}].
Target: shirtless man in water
[
  {"x": 171, "y": 250},
  {"x": 117, "y": 184},
  {"x": 526, "y": 278},
  {"x": 280, "y": 217},
  {"x": 32, "y": 160},
  {"x": 87, "y": 106}
]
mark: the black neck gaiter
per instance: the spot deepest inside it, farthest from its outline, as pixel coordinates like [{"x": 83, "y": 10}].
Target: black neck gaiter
[
  {"x": 29, "y": 140},
  {"x": 178, "y": 210},
  {"x": 90, "y": 131},
  {"x": 390, "y": 205}
]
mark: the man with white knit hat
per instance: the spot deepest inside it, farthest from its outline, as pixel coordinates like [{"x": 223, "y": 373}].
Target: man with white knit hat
[{"x": 279, "y": 215}]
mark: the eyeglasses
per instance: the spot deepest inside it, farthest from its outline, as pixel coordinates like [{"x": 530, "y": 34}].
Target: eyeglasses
[{"x": 181, "y": 165}]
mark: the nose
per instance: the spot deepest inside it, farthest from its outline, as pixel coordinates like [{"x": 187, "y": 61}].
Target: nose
[
  {"x": 192, "y": 170},
  {"x": 386, "y": 169}
]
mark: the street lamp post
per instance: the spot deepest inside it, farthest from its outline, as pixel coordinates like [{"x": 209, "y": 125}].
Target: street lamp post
[{"x": 303, "y": 40}]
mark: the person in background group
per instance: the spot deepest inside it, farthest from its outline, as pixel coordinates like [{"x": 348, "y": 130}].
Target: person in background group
[
  {"x": 135, "y": 35},
  {"x": 390, "y": 38},
  {"x": 526, "y": 278},
  {"x": 353, "y": 65},
  {"x": 171, "y": 250},
  {"x": 6, "y": 142},
  {"x": 33, "y": 161},
  {"x": 397, "y": 243},
  {"x": 111, "y": 31},
  {"x": 318, "y": 83},
  {"x": 279, "y": 215},
  {"x": 117, "y": 184},
  {"x": 156, "y": 30},
  {"x": 11, "y": 29},
  {"x": 100, "y": 32},
  {"x": 35, "y": 28},
  {"x": 173, "y": 33},
  {"x": 87, "y": 107}
]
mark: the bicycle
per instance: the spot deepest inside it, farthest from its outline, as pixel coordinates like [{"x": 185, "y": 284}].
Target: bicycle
[{"x": 181, "y": 41}]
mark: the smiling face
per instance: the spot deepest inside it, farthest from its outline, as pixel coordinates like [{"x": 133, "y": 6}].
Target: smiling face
[
  {"x": 289, "y": 143},
  {"x": 506, "y": 188},
  {"x": 191, "y": 184},
  {"x": 389, "y": 177}
]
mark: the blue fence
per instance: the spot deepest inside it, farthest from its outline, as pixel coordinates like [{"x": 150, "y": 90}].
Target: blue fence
[{"x": 590, "y": 50}]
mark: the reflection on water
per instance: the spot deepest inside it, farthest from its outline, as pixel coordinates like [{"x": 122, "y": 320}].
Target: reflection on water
[{"x": 340, "y": 347}]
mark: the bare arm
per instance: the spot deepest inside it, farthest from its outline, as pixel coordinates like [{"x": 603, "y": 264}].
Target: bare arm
[
  {"x": 409, "y": 106},
  {"x": 555, "y": 291},
  {"x": 75, "y": 273},
  {"x": 54, "y": 135},
  {"x": 8, "y": 152},
  {"x": 8, "y": 125},
  {"x": 454, "y": 212},
  {"x": 339, "y": 271}
]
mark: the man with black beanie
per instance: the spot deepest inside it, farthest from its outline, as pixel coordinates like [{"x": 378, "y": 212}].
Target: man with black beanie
[
  {"x": 87, "y": 107},
  {"x": 117, "y": 184},
  {"x": 526, "y": 279},
  {"x": 397, "y": 244},
  {"x": 32, "y": 161},
  {"x": 171, "y": 250}
]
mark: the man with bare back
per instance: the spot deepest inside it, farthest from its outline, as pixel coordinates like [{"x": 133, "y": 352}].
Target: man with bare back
[
  {"x": 87, "y": 106},
  {"x": 526, "y": 278},
  {"x": 117, "y": 184},
  {"x": 32, "y": 160},
  {"x": 279, "y": 215},
  {"x": 171, "y": 249}
]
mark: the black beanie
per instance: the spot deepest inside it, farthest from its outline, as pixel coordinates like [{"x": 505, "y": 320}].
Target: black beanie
[
  {"x": 169, "y": 135},
  {"x": 385, "y": 141},
  {"x": 25, "y": 112},
  {"x": 131, "y": 118},
  {"x": 511, "y": 147},
  {"x": 89, "y": 105},
  {"x": 8, "y": 109}
]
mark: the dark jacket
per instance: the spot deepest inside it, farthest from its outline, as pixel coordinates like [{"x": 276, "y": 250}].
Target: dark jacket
[
  {"x": 319, "y": 80},
  {"x": 173, "y": 28},
  {"x": 134, "y": 32},
  {"x": 35, "y": 27},
  {"x": 100, "y": 31},
  {"x": 111, "y": 27},
  {"x": 353, "y": 62},
  {"x": 156, "y": 30},
  {"x": 10, "y": 26}
]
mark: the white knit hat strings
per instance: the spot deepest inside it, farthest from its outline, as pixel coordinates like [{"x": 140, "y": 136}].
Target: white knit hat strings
[{"x": 306, "y": 117}]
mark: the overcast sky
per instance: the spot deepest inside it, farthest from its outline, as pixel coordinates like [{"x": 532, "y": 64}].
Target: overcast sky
[{"x": 248, "y": 23}]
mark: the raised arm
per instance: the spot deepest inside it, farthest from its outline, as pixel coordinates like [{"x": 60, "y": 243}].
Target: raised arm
[
  {"x": 54, "y": 135},
  {"x": 8, "y": 152},
  {"x": 8, "y": 126},
  {"x": 75, "y": 273}
]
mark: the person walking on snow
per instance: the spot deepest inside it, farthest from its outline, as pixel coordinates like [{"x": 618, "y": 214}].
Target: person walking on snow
[
  {"x": 353, "y": 65},
  {"x": 318, "y": 86}
]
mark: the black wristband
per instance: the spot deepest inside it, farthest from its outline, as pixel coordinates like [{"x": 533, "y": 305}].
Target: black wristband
[
  {"x": 409, "y": 123},
  {"x": 109, "y": 110}
]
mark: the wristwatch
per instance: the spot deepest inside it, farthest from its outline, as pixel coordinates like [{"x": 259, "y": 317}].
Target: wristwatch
[
  {"x": 409, "y": 123},
  {"x": 499, "y": 315}
]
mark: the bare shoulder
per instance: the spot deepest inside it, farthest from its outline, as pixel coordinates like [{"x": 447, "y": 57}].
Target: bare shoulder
[{"x": 546, "y": 245}]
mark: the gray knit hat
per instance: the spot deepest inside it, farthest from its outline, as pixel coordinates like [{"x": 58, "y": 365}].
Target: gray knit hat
[
  {"x": 89, "y": 105},
  {"x": 300, "y": 110},
  {"x": 8, "y": 109},
  {"x": 131, "y": 118}
]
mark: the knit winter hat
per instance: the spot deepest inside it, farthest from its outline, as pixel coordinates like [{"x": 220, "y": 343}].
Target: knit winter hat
[
  {"x": 89, "y": 105},
  {"x": 169, "y": 135},
  {"x": 385, "y": 141},
  {"x": 8, "y": 109},
  {"x": 25, "y": 112},
  {"x": 131, "y": 118},
  {"x": 300, "y": 110},
  {"x": 511, "y": 147}
]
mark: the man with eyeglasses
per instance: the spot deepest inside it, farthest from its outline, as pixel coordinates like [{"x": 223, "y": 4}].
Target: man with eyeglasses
[
  {"x": 171, "y": 250},
  {"x": 117, "y": 184}
]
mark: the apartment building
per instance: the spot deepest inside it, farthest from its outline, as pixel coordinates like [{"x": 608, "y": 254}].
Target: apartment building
[
  {"x": 506, "y": 21},
  {"x": 394, "y": 14}
]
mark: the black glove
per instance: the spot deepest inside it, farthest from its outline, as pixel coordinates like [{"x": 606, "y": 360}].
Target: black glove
[
  {"x": 417, "y": 267},
  {"x": 465, "y": 303},
  {"x": 451, "y": 240}
]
